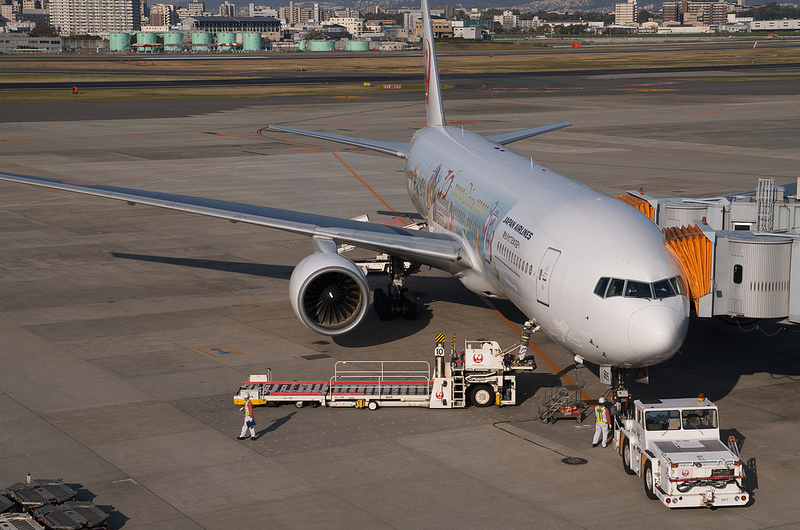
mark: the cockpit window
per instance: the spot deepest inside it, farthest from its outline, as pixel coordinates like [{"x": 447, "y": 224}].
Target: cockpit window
[
  {"x": 663, "y": 289},
  {"x": 638, "y": 290},
  {"x": 666, "y": 288},
  {"x": 600, "y": 288},
  {"x": 616, "y": 287},
  {"x": 677, "y": 284}
]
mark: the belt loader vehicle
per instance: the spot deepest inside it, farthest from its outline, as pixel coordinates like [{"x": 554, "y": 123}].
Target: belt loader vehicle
[
  {"x": 674, "y": 445},
  {"x": 481, "y": 375}
]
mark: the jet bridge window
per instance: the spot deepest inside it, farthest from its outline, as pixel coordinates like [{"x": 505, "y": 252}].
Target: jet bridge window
[
  {"x": 662, "y": 420},
  {"x": 699, "y": 419}
]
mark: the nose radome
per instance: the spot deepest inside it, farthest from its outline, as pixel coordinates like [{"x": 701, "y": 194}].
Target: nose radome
[{"x": 657, "y": 331}]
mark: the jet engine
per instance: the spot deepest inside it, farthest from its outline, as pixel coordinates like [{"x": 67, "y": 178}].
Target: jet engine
[{"x": 329, "y": 293}]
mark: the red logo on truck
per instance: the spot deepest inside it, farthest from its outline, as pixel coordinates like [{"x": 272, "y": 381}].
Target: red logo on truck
[
  {"x": 478, "y": 358},
  {"x": 685, "y": 472},
  {"x": 439, "y": 395}
]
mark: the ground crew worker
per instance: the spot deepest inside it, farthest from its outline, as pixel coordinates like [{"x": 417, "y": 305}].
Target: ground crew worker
[
  {"x": 249, "y": 422},
  {"x": 602, "y": 421}
]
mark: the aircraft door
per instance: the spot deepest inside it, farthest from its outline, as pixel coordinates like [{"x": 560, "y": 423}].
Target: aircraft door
[{"x": 544, "y": 275}]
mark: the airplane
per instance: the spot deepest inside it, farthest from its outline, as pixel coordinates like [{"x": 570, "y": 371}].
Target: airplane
[{"x": 589, "y": 270}]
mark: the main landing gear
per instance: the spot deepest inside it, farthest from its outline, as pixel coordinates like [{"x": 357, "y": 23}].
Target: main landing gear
[{"x": 398, "y": 301}]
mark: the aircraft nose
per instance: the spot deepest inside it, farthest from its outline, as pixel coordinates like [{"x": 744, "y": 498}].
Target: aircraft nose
[{"x": 657, "y": 331}]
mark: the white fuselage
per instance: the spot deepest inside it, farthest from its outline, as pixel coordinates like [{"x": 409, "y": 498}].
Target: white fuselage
[{"x": 544, "y": 241}]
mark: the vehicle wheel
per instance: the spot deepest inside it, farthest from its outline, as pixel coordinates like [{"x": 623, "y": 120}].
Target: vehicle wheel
[
  {"x": 626, "y": 458},
  {"x": 481, "y": 396},
  {"x": 372, "y": 405},
  {"x": 410, "y": 306},
  {"x": 299, "y": 404},
  {"x": 648, "y": 479},
  {"x": 382, "y": 305},
  {"x": 545, "y": 420}
]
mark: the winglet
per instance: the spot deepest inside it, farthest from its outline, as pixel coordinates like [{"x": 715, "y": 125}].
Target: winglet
[{"x": 433, "y": 90}]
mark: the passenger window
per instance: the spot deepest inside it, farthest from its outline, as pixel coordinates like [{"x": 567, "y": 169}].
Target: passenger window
[
  {"x": 663, "y": 289},
  {"x": 638, "y": 290},
  {"x": 615, "y": 288},
  {"x": 600, "y": 288}
]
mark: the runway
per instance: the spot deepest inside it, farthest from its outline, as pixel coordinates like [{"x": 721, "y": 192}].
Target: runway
[{"x": 108, "y": 311}]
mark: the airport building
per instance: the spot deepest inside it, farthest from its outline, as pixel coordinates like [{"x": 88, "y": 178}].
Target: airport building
[
  {"x": 227, "y": 24},
  {"x": 94, "y": 17}
]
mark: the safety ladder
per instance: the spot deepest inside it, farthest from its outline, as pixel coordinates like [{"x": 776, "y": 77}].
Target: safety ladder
[{"x": 457, "y": 370}]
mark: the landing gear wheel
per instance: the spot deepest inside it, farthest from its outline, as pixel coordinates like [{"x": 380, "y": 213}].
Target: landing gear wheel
[
  {"x": 649, "y": 484},
  {"x": 372, "y": 405},
  {"x": 481, "y": 396},
  {"x": 299, "y": 404},
  {"x": 626, "y": 458},
  {"x": 409, "y": 306},
  {"x": 382, "y": 305}
]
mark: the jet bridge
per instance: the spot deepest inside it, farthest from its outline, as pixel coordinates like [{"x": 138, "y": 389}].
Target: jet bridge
[{"x": 740, "y": 253}]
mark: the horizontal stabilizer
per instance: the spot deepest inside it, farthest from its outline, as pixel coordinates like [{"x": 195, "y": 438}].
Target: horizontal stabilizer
[
  {"x": 513, "y": 136},
  {"x": 399, "y": 149}
]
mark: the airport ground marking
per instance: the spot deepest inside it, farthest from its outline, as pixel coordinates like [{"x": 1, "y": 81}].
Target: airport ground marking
[
  {"x": 539, "y": 352},
  {"x": 220, "y": 351},
  {"x": 364, "y": 183}
]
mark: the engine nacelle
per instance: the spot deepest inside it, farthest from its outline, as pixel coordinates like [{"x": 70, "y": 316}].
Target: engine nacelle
[{"x": 329, "y": 293}]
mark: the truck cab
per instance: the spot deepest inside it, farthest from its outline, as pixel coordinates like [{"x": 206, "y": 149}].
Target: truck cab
[{"x": 674, "y": 445}]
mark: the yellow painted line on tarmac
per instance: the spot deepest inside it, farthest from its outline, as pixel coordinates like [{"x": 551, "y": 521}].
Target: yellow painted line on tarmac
[{"x": 8, "y": 139}]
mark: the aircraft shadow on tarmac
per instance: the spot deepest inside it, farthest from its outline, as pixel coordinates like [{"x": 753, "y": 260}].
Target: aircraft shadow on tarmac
[
  {"x": 715, "y": 355},
  {"x": 254, "y": 269},
  {"x": 372, "y": 331}
]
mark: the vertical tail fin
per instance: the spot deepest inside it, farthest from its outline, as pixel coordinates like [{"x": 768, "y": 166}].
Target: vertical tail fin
[{"x": 433, "y": 90}]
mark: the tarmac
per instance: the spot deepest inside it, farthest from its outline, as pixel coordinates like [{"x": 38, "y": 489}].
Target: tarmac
[{"x": 127, "y": 330}]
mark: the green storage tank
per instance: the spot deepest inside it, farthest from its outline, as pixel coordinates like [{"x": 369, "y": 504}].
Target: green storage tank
[
  {"x": 226, "y": 42},
  {"x": 320, "y": 45},
  {"x": 302, "y": 45},
  {"x": 173, "y": 41},
  {"x": 356, "y": 46},
  {"x": 251, "y": 42},
  {"x": 201, "y": 41},
  {"x": 146, "y": 42},
  {"x": 119, "y": 42}
]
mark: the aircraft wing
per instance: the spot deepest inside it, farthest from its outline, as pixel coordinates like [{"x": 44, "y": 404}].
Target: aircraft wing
[
  {"x": 513, "y": 136},
  {"x": 436, "y": 250},
  {"x": 399, "y": 149}
]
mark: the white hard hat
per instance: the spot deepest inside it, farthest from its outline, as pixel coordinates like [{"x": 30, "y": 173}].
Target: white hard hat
[
  {"x": 601, "y": 400},
  {"x": 247, "y": 395}
]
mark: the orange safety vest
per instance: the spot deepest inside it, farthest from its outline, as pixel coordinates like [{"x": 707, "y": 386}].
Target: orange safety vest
[
  {"x": 601, "y": 413},
  {"x": 248, "y": 409}
]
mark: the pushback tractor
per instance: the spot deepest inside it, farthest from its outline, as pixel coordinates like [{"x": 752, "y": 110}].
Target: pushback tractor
[
  {"x": 674, "y": 445},
  {"x": 483, "y": 375}
]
